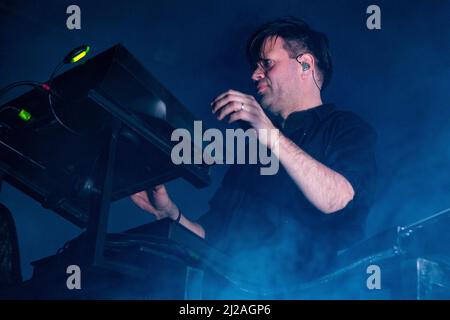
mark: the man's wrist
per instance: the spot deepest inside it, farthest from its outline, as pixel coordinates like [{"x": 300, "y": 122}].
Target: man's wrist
[
  {"x": 269, "y": 137},
  {"x": 172, "y": 211},
  {"x": 178, "y": 218},
  {"x": 275, "y": 140},
  {"x": 175, "y": 213}
]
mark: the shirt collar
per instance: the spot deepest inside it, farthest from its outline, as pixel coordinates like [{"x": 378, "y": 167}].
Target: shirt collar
[{"x": 305, "y": 118}]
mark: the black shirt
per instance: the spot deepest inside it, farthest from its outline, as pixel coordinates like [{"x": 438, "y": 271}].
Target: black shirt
[{"x": 266, "y": 224}]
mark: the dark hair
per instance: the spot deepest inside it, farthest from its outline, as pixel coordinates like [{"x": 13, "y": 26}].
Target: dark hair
[{"x": 299, "y": 38}]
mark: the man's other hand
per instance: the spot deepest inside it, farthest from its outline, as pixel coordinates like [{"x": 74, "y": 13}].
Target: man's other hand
[{"x": 157, "y": 202}]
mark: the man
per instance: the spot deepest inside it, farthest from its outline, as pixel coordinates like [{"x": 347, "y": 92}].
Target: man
[{"x": 286, "y": 228}]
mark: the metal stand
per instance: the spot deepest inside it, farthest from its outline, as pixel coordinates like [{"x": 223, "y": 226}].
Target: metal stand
[{"x": 100, "y": 200}]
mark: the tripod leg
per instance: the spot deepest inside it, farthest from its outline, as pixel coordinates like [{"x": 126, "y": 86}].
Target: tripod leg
[{"x": 99, "y": 208}]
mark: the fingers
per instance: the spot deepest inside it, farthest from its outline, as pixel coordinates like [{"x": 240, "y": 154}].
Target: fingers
[
  {"x": 142, "y": 201},
  {"x": 227, "y": 93},
  {"x": 239, "y": 106},
  {"x": 228, "y": 97},
  {"x": 233, "y": 107},
  {"x": 246, "y": 116},
  {"x": 232, "y": 102},
  {"x": 140, "y": 196},
  {"x": 159, "y": 191},
  {"x": 159, "y": 187}
]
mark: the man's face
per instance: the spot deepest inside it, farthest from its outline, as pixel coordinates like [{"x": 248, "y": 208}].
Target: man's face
[{"x": 277, "y": 76}]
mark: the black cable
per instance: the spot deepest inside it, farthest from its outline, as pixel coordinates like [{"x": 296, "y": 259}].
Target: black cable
[
  {"x": 52, "y": 109},
  {"x": 9, "y": 108},
  {"x": 36, "y": 84},
  {"x": 13, "y": 85},
  {"x": 52, "y": 76},
  {"x": 47, "y": 87},
  {"x": 50, "y": 100},
  {"x": 314, "y": 78}
]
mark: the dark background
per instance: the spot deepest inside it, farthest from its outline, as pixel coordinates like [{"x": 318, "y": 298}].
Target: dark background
[{"x": 397, "y": 78}]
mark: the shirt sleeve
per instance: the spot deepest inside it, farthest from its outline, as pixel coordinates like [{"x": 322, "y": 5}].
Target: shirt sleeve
[{"x": 351, "y": 152}]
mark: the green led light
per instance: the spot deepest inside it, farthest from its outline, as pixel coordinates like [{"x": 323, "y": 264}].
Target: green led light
[
  {"x": 24, "y": 115},
  {"x": 80, "y": 55}
]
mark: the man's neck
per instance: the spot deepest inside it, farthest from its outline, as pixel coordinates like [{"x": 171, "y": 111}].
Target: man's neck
[{"x": 303, "y": 104}]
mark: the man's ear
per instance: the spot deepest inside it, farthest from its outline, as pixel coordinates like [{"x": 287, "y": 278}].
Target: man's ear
[{"x": 307, "y": 63}]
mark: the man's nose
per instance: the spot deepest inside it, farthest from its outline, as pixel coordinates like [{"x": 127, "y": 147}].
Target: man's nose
[{"x": 258, "y": 74}]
